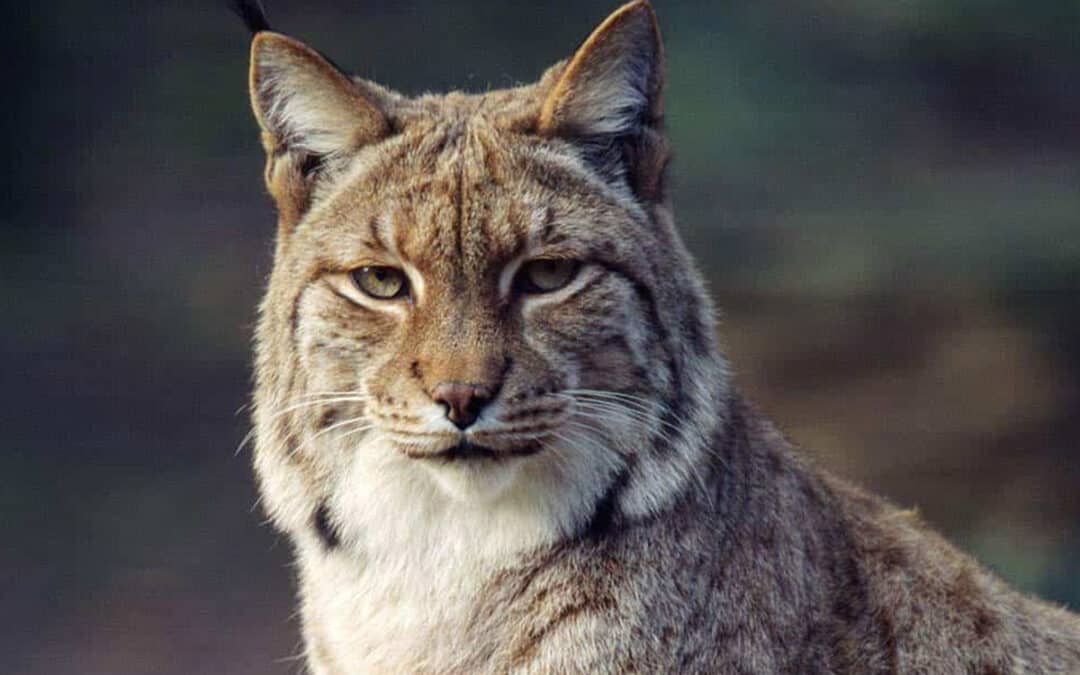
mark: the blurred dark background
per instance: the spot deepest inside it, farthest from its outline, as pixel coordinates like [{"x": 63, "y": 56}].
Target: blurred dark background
[{"x": 885, "y": 197}]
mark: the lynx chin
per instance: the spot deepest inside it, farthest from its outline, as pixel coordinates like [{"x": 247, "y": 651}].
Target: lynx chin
[{"x": 493, "y": 419}]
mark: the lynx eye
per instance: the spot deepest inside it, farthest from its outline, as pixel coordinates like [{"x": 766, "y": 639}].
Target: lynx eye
[
  {"x": 383, "y": 283},
  {"x": 546, "y": 274}
]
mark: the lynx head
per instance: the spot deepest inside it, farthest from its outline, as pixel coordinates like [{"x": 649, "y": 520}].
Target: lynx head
[{"x": 479, "y": 303}]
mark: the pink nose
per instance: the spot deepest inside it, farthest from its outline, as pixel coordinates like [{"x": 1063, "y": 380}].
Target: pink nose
[{"x": 463, "y": 401}]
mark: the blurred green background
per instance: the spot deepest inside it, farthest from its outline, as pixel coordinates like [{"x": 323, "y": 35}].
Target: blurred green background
[{"x": 884, "y": 195}]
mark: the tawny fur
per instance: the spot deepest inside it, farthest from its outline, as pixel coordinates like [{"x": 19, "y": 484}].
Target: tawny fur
[{"x": 632, "y": 513}]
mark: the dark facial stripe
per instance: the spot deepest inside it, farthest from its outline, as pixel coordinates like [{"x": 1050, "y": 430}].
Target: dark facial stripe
[
  {"x": 294, "y": 309},
  {"x": 462, "y": 210},
  {"x": 324, "y": 528},
  {"x": 376, "y": 236},
  {"x": 675, "y": 401},
  {"x": 606, "y": 510},
  {"x": 328, "y": 417}
]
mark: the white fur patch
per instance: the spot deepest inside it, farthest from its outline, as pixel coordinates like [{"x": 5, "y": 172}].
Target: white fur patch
[
  {"x": 611, "y": 101},
  {"x": 305, "y": 106},
  {"x": 419, "y": 538}
]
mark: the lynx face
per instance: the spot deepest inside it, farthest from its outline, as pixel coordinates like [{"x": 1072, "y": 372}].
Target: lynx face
[
  {"x": 480, "y": 293},
  {"x": 479, "y": 310}
]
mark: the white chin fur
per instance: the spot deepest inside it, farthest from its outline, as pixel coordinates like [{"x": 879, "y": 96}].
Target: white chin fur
[
  {"x": 474, "y": 480},
  {"x": 391, "y": 505},
  {"x": 419, "y": 539}
]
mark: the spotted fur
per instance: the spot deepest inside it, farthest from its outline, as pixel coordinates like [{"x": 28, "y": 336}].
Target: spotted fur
[{"x": 615, "y": 507}]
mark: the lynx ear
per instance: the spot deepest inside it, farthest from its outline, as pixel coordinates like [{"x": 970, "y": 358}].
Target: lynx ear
[
  {"x": 308, "y": 110},
  {"x": 608, "y": 99}
]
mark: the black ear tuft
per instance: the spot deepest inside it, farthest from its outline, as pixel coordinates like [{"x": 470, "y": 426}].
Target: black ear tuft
[{"x": 253, "y": 14}]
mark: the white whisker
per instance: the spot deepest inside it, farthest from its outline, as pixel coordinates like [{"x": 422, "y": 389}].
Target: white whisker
[
  {"x": 324, "y": 398},
  {"x": 321, "y": 401},
  {"x": 638, "y": 402},
  {"x": 338, "y": 425},
  {"x": 605, "y": 404},
  {"x": 634, "y": 415}
]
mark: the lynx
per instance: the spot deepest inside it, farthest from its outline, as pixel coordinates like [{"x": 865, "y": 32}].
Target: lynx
[{"x": 493, "y": 419}]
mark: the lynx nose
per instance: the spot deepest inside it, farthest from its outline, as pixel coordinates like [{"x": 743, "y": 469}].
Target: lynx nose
[{"x": 463, "y": 401}]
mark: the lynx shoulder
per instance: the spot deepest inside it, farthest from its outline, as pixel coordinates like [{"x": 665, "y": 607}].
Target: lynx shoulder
[{"x": 492, "y": 417}]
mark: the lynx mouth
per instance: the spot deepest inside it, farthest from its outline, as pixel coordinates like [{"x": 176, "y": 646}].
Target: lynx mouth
[{"x": 467, "y": 451}]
